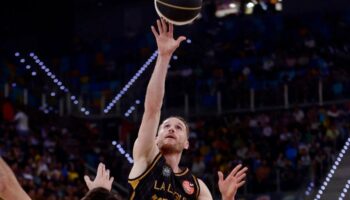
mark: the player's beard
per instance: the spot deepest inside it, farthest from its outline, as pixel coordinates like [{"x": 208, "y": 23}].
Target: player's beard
[{"x": 168, "y": 147}]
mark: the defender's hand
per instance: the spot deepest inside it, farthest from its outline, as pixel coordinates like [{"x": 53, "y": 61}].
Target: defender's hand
[
  {"x": 102, "y": 179},
  {"x": 228, "y": 187}
]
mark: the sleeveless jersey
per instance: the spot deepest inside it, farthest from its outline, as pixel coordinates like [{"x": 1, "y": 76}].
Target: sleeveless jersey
[{"x": 159, "y": 182}]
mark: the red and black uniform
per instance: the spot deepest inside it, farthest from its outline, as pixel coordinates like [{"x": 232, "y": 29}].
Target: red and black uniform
[{"x": 159, "y": 182}]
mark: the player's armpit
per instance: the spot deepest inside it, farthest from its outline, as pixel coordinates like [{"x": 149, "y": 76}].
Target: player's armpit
[{"x": 204, "y": 191}]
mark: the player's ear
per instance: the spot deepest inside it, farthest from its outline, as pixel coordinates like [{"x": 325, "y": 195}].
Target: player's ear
[{"x": 187, "y": 145}]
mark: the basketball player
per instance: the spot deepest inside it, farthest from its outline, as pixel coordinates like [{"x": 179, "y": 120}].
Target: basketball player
[{"x": 156, "y": 174}]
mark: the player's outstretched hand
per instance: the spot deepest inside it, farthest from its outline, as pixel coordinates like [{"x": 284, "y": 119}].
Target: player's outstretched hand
[
  {"x": 102, "y": 179},
  {"x": 228, "y": 187}
]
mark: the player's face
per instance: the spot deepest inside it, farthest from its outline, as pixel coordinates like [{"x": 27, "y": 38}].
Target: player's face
[{"x": 172, "y": 135}]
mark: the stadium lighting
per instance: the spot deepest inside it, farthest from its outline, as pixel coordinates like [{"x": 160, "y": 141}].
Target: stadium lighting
[
  {"x": 332, "y": 171},
  {"x": 232, "y": 5},
  {"x": 250, "y": 5},
  {"x": 55, "y": 80},
  {"x": 345, "y": 190},
  {"x": 122, "y": 151},
  {"x": 51, "y": 75},
  {"x": 131, "y": 82},
  {"x": 132, "y": 108}
]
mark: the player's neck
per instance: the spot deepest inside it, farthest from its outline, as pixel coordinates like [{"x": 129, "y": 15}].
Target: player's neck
[{"x": 173, "y": 160}]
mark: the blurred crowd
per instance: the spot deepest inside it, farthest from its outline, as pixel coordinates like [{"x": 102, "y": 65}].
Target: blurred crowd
[
  {"x": 231, "y": 55},
  {"x": 49, "y": 156},
  {"x": 282, "y": 148}
]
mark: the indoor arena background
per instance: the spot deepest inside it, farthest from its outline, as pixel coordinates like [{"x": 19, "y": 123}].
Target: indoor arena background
[{"x": 263, "y": 83}]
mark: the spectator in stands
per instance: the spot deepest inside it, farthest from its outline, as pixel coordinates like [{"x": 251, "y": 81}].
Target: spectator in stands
[
  {"x": 7, "y": 111},
  {"x": 22, "y": 126}
]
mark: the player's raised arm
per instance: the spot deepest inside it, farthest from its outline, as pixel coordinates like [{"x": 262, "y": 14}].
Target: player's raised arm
[{"x": 145, "y": 148}]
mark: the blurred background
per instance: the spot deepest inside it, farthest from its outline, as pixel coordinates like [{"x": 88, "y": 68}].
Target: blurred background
[{"x": 261, "y": 82}]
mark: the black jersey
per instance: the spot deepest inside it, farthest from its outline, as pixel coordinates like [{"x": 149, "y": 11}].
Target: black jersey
[{"x": 159, "y": 182}]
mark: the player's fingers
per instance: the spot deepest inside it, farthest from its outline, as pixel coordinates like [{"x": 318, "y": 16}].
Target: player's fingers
[
  {"x": 171, "y": 29},
  {"x": 240, "y": 184},
  {"x": 99, "y": 170},
  {"x": 107, "y": 174},
  {"x": 164, "y": 25},
  {"x": 221, "y": 176},
  {"x": 235, "y": 170},
  {"x": 160, "y": 28},
  {"x": 242, "y": 171},
  {"x": 155, "y": 33}
]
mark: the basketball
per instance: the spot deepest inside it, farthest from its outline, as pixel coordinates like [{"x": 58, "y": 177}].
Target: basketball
[{"x": 178, "y": 12}]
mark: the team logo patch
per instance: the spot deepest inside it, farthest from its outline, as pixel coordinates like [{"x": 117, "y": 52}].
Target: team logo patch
[
  {"x": 166, "y": 171},
  {"x": 188, "y": 187}
]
